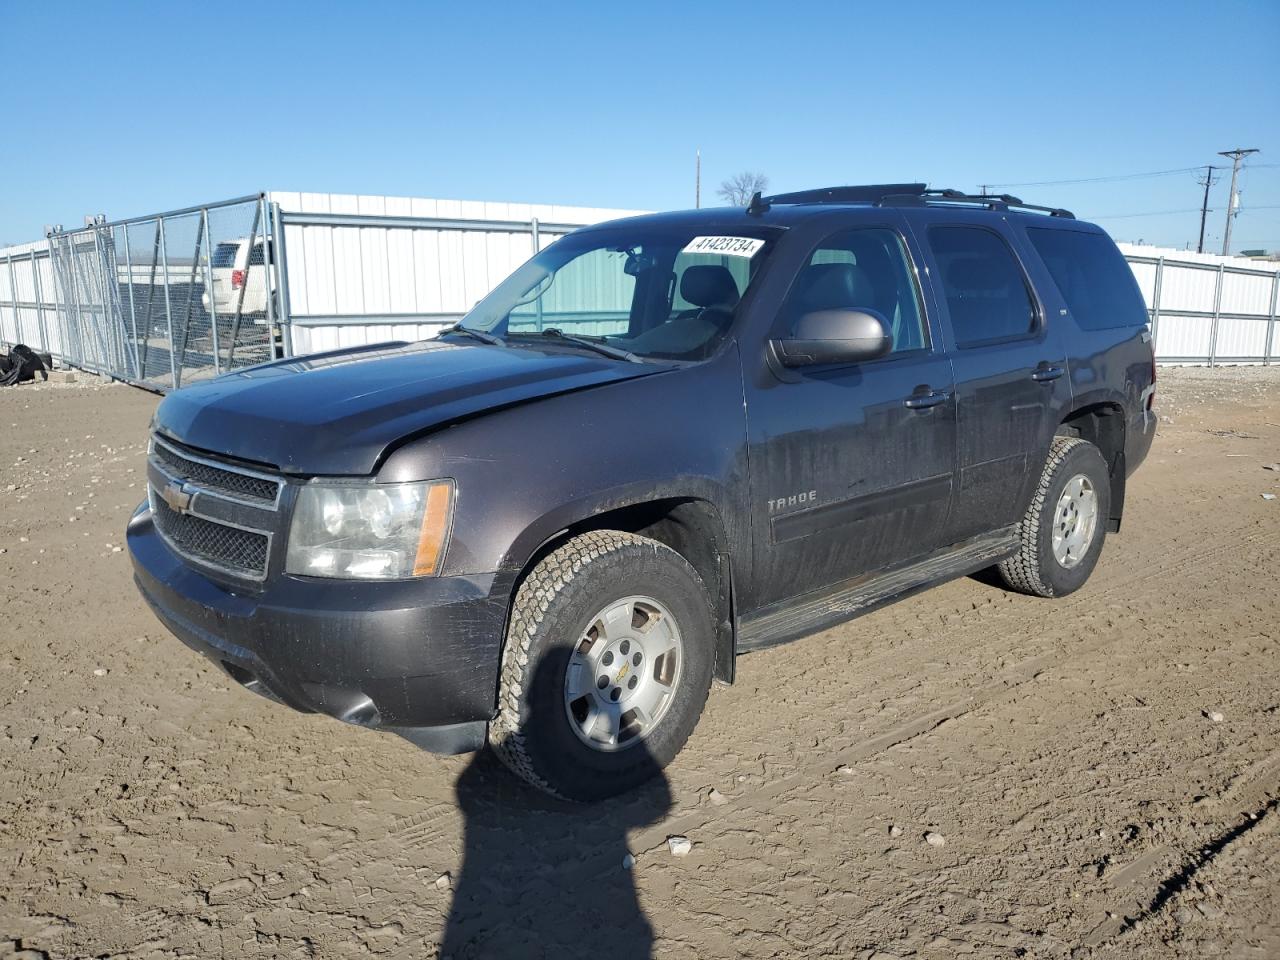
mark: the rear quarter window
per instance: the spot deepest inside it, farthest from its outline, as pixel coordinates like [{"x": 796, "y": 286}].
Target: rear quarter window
[
  {"x": 1092, "y": 276},
  {"x": 224, "y": 254}
]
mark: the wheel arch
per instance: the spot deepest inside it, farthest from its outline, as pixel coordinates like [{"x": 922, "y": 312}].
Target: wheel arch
[
  {"x": 1103, "y": 424},
  {"x": 690, "y": 524}
]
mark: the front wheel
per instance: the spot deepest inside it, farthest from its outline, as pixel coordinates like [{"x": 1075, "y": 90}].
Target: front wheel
[
  {"x": 1064, "y": 528},
  {"x": 606, "y": 667}
]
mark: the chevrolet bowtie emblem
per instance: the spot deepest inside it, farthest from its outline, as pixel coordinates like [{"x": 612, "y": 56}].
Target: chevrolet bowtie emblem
[{"x": 176, "y": 495}]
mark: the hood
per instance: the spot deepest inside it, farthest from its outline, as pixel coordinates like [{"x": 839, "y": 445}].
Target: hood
[{"x": 338, "y": 413}]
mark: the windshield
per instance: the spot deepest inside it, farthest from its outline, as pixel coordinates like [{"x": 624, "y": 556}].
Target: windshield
[{"x": 653, "y": 292}]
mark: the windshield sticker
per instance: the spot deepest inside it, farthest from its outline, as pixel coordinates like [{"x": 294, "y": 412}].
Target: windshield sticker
[{"x": 725, "y": 246}]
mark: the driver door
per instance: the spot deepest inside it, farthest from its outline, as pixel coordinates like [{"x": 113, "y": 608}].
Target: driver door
[{"x": 851, "y": 465}]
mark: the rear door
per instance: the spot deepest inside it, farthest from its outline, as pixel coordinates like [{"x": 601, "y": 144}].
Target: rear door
[
  {"x": 851, "y": 464},
  {"x": 1010, "y": 369}
]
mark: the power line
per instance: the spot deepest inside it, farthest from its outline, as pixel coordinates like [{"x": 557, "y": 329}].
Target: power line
[
  {"x": 1122, "y": 176},
  {"x": 1119, "y": 176},
  {"x": 1150, "y": 213},
  {"x": 1164, "y": 213}
]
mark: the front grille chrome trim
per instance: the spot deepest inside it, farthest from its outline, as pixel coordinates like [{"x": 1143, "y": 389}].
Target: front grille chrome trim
[
  {"x": 164, "y": 471},
  {"x": 239, "y": 573},
  {"x": 222, "y": 465}
]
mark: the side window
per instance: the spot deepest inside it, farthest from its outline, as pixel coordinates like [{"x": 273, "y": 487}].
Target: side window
[
  {"x": 986, "y": 291},
  {"x": 255, "y": 255},
  {"x": 864, "y": 268},
  {"x": 1092, "y": 277}
]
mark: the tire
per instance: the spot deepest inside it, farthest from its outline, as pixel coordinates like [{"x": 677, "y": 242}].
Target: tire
[
  {"x": 1036, "y": 568},
  {"x": 556, "y": 626}
]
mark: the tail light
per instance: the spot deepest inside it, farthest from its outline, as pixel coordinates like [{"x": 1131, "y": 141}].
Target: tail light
[{"x": 237, "y": 279}]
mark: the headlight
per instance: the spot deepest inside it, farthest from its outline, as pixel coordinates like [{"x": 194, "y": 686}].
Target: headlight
[{"x": 370, "y": 531}]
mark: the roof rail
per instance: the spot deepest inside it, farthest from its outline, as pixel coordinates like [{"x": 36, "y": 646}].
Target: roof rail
[
  {"x": 868, "y": 193},
  {"x": 992, "y": 201},
  {"x": 908, "y": 194}
]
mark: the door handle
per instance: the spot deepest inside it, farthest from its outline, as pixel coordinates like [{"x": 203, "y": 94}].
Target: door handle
[
  {"x": 923, "y": 401},
  {"x": 1044, "y": 373}
]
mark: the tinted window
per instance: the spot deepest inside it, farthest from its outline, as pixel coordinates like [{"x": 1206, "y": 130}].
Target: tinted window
[
  {"x": 255, "y": 255},
  {"x": 862, "y": 269},
  {"x": 224, "y": 254},
  {"x": 986, "y": 292},
  {"x": 1092, "y": 276}
]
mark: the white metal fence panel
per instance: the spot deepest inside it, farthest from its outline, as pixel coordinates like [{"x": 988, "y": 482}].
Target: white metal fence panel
[
  {"x": 361, "y": 269},
  {"x": 28, "y": 305},
  {"x": 1208, "y": 309}
]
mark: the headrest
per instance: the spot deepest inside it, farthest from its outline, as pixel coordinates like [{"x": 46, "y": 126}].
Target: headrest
[
  {"x": 834, "y": 286},
  {"x": 709, "y": 285}
]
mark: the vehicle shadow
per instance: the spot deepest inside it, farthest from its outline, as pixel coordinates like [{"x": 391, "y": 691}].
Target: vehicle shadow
[{"x": 546, "y": 878}]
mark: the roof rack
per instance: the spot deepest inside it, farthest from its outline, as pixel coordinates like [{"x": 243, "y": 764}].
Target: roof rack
[
  {"x": 868, "y": 193},
  {"x": 910, "y": 195},
  {"x": 992, "y": 201}
]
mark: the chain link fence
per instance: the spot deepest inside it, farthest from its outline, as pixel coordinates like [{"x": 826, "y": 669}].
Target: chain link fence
[{"x": 158, "y": 301}]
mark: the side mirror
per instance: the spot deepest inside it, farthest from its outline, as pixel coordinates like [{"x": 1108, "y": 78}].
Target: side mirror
[{"x": 835, "y": 336}]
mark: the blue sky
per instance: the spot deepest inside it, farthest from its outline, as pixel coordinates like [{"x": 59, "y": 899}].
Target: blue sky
[{"x": 127, "y": 109}]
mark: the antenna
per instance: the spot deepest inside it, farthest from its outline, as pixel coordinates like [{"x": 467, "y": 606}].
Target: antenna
[
  {"x": 757, "y": 206},
  {"x": 697, "y": 178}
]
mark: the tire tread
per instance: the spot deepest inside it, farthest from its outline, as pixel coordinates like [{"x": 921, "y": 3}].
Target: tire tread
[
  {"x": 540, "y": 588},
  {"x": 1021, "y": 572}
]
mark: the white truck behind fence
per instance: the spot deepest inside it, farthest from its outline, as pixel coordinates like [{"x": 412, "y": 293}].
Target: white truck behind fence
[{"x": 160, "y": 300}]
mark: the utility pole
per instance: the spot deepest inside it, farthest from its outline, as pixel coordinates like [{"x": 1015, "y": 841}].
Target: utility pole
[
  {"x": 1204, "y": 207},
  {"x": 697, "y": 178},
  {"x": 1236, "y": 156}
]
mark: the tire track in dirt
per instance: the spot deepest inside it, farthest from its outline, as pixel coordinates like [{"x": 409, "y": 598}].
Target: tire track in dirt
[
  {"x": 1001, "y": 626},
  {"x": 1007, "y": 684},
  {"x": 1137, "y": 891}
]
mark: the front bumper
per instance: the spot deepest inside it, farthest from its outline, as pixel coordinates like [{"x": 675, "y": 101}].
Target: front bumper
[{"x": 416, "y": 657}]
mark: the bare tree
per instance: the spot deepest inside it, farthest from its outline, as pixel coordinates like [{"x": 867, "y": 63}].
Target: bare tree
[{"x": 737, "y": 190}]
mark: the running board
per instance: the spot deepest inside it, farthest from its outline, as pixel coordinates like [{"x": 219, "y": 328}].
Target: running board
[{"x": 792, "y": 619}]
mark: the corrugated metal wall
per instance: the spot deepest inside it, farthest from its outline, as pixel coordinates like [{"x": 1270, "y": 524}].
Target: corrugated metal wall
[
  {"x": 1206, "y": 308},
  {"x": 364, "y": 269},
  {"x": 28, "y": 304}
]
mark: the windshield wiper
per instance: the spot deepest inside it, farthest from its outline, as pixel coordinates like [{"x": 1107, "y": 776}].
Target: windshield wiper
[
  {"x": 599, "y": 346},
  {"x": 480, "y": 335}
]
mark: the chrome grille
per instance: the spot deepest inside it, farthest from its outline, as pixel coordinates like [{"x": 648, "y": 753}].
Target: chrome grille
[
  {"x": 217, "y": 545},
  {"x": 212, "y": 512},
  {"x": 220, "y": 479}
]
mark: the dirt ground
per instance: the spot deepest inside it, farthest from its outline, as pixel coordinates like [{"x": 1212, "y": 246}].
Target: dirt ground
[{"x": 1099, "y": 776}]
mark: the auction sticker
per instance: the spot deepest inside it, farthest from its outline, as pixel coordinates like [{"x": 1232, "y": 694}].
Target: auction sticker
[{"x": 725, "y": 246}]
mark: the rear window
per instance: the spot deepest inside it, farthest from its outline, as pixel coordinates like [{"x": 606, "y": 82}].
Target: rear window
[
  {"x": 1092, "y": 276},
  {"x": 224, "y": 254}
]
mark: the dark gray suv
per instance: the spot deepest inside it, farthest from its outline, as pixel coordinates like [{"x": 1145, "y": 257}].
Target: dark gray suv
[{"x": 662, "y": 442}]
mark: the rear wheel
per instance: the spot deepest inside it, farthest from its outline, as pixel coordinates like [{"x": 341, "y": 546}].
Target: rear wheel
[
  {"x": 606, "y": 667},
  {"x": 1063, "y": 530}
]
